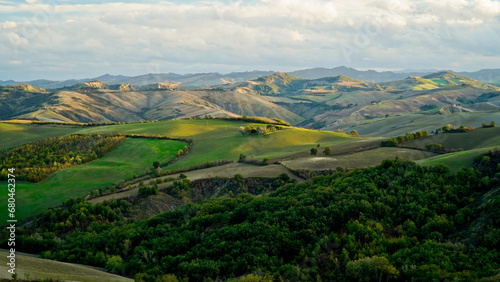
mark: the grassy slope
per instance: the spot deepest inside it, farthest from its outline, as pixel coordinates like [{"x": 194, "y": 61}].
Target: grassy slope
[
  {"x": 28, "y": 266},
  {"x": 12, "y": 134},
  {"x": 478, "y": 138},
  {"x": 133, "y": 156},
  {"x": 399, "y": 125},
  {"x": 356, "y": 160},
  {"x": 216, "y": 139},
  {"x": 474, "y": 142},
  {"x": 456, "y": 160}
]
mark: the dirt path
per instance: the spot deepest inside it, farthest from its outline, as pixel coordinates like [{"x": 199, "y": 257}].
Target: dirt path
[
  {"x": 29, "y": 266},
  {"x": 228, "y": 170}
]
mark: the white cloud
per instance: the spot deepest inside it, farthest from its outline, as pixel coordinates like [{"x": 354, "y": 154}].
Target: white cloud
[
  {"x": 276, "y": 34},
  {"x": 8, "y": 25}
]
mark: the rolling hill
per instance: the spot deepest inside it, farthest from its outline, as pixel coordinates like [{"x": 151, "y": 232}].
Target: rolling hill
[
  {"x": 213, "y": 140},
  {"x": 436, "y": 80},
  {"x": 322, "y": 103}
]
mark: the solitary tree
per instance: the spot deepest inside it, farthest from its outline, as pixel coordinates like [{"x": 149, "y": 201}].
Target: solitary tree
[
  {"x": 327, "y": 150},
  {"x": 314, "y": 151},
  {"x": 156, "y": 164},
  {"x": 242, "y": 158}
]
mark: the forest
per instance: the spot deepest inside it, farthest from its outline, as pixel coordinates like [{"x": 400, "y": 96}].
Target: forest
[
  {"x": 37, "y": 160},
  {"x": 396, "y": 221}
]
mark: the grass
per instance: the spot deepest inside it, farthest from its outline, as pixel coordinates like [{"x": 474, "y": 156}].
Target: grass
[
  {"x": 133, "y": 156},
  {"x": 15, "y": 134},
  {"x": 35, "y": 269},
  {"x": 457, "y": 160},
  {"x": 357, "y": 160},
  {"x": 218, "y": 140},
  {"x": 478, "y": 138},
  {"x": 401, "y": 124}
]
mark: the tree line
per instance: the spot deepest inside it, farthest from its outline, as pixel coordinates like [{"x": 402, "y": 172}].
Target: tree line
[
  {"x": 395, "y": 141},
  {"x": 37, "y": 160}
]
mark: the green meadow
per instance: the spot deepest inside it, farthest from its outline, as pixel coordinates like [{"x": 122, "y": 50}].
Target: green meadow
[
  {"x": 133, "y": 156},
  {"x": 457, "y": 160},
  {"x": 221, "y": 140},
  {"x": 15, "y": 134}
]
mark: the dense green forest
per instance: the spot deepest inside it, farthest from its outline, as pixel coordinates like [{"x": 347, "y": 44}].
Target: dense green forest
[
  {"x": 37, "y": 160},
  {"x": 398, "y": 221}
]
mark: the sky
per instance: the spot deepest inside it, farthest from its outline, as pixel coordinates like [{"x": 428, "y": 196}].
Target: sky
[{"x": 63, "y": 39}]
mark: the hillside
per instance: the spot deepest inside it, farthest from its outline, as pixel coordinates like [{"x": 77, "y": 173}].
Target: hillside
[
  {"x": 358, "y": 225},
  {"x": 98, "y": 103},
  {"x": 214, "y": 140},
  {"x": 436, "y": 80},
  {"x": 323, "y": 103},
  {"x": 219, "y": 206},
  {"x": 275, "y": 84}
]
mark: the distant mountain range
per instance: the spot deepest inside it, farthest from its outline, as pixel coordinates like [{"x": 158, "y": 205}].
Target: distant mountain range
[{"x": 197, "y": 80}]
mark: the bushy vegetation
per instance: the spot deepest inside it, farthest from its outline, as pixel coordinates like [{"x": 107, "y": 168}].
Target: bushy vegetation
[
  {"x": 450, "y": 128},
  {"x": 250, "y": 129},
  {"x": 395, "y": 141},
  {"x": 435, "y": 147},
  {"x": 88, "y": 124},
  {"x": 275, "y": 121},
  {"x": 489, "y": 163},
  {"x": 492, "y": 124},
  {"x": 149, "y": 190},
  {"x": 397, "y": 220},
  {"x": 37, "y": 160}
]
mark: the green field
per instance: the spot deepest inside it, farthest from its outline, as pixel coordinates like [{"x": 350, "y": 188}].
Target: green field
[
  {"x": 401, "y": 124},
  {"x": 220, "y": 140},
  {"x": 478, "y": 138},
  {"x": 457, "y": 160},
  {"x": 133, "y": 156},
  {"x": 14, "y": 134}
]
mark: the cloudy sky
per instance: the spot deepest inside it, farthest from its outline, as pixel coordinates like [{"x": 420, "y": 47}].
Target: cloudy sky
[{"x": 61, "y": 39}]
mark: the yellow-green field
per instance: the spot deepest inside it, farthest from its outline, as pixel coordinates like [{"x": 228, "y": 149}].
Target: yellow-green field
[
  {"x": 15, "y": 134},
  {"x": 221, "y": 140},
  {"x": 457, "y": 160}
]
